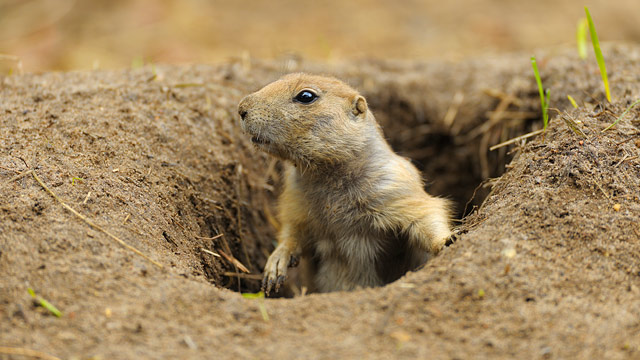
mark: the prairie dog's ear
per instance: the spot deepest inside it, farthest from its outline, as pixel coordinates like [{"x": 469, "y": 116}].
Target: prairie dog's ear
[{"x": 359, "y": 105}]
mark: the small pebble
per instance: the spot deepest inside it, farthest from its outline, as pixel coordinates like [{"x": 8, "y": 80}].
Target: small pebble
[
  {"x": 509, "y": 252},
  {"x": 400, "y": 336}
]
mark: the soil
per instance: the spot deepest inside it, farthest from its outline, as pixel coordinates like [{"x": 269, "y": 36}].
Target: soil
[{"x": 546, "y": 266}]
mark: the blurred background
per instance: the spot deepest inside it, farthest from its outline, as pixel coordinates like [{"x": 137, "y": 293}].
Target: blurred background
[{"x": 43, "y": 35}]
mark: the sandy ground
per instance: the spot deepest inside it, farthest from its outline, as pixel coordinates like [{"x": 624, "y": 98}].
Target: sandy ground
[{"x": 547, "y": 267}]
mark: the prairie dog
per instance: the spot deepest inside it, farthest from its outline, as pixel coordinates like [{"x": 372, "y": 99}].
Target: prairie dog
[{"x": 355, "y": 212}]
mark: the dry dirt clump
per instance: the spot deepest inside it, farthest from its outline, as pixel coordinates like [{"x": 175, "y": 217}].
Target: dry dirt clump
[{"x": 547, "y": 267}]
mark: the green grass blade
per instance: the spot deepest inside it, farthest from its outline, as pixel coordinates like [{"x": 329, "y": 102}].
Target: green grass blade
[
  {"x": 598, "y": 52},
  {"x": 623, "y": 114},
  {"x": 543, "y": 99},
  {"x": 73, "y": 180},
  {"x": 258, "y": 295},
  {"x": 44, "y": 303},
  {"x": 546, "y": 101},
  {"x": 261, "y": 307},
  {"x": 263, "y": 311},
  {"x": 573, "y": 101},
  {"x": 581, "y": 38},
  {"x": 49, "y": 306}
]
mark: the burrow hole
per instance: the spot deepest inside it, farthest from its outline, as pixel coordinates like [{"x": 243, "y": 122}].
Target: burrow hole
[{"x": 454, "y": 166}]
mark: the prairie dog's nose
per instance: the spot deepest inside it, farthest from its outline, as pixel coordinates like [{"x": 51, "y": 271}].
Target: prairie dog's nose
[{"x": 243, "y": 107}]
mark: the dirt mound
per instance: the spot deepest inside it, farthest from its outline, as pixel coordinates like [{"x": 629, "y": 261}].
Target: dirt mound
[{"x": 547, "y": 267}]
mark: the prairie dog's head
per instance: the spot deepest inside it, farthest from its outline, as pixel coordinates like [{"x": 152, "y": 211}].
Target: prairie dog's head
[{"x": 307, "y": 119}]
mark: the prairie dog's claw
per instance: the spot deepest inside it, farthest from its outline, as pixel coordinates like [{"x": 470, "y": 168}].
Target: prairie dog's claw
[
  {"x": 275, "y": 271},
  {"x": 279, "y": 281}
]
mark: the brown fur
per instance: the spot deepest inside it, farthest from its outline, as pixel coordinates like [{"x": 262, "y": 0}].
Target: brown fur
[{"x": 355, "y": 211}]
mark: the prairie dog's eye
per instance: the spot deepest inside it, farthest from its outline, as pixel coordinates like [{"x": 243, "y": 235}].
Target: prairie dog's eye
[{"x": 306, "y": 97}]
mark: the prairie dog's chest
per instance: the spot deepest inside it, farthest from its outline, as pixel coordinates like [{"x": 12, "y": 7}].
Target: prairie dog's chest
[
  {"x": 341, "y": 215},
  {"x": 342, "y": 212},
  {"x": 341, "y": 227}
]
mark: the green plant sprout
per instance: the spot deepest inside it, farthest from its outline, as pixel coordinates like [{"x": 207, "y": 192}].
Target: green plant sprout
[
  {"x": 544, "y": 95},
  {"x": 73, "y": 180},
  {"x": 581, "y": 38},
  {"x": 44, "y": 303},
  {"x": 573, "y": 101},
  {"x": 261, "y": 307},
  {"x": 598, "y": 52},
  {"x": 258, "y": 295},
  {"x": 623, "y": 114}
]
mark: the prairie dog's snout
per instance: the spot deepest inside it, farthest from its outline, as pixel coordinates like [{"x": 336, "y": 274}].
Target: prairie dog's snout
[
  {"x": 242, "y": 109},
  {"x": 245, "y": 104},
  {"x": 255, "y": 120}
]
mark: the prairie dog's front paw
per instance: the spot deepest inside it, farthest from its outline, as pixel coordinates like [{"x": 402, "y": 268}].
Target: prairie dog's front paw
[
  {"x": 275, "y": 271},
  {"x": 437, "y": 243},
  {"x": 438, "y": 239}
]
